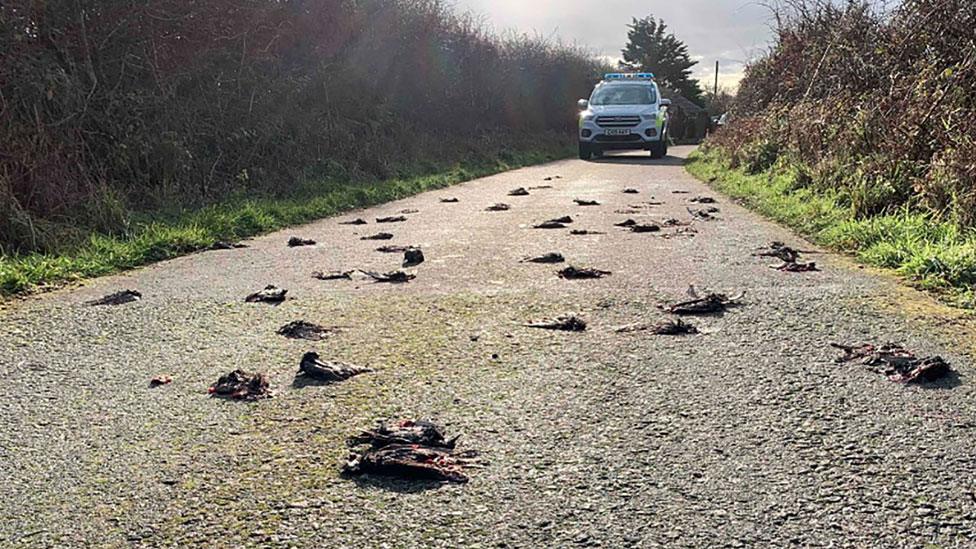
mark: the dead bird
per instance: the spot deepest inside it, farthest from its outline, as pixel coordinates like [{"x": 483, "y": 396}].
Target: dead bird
[
  {"x": 897, "y": 363},
  {"x": 672, "y": 222},
  {"x": 412, "y": 257},
  {"x": 701, "y": 214},
  {"x": 295, "y": 242},
  {"x": 406, "y": 431},
  {"x": 570, "y": 323},
  {"x": 333, "y": 275},
  {"x": 680, "y": 192},
  {"x": 645, "y": 228},
  {"x": 411, "y": 461},
  {"x": 631, "y": 191},
  {"x": 270, "y": 294},
  {"x": 628, "y": 223},
  {"x": 225, "y": 245},
  {"x": 521, "y": 191},
  {"x": 573, "y": 273},
  {"x": 354, "y": 222},
  {"x": 553, "y": 177},
  {"x": 794, "y": 267},
  {"x": 450, "y": 200},
  {"x": 780, "y": 251},
  {"x": 584, "y": 232},
  {"x": 118, "y": 298},
  {"x": 689, "y": 232},
  {"x": 702, "y": 305},
  {"x": 241, "y": 385},
  {"x": 540, "y": 187},
  {"x": 159, "y": 381},
  {"x": 300, "y": 329},
  {"x": 393, "y": 249},
  {"x": 549, "y": 225},
  {"x": 564, "y": 219},
  {"x": 314, "y": 367},
  {"x": 583, "y": 202},
  {"x": 498, "y": 208},
  {"x": 391, "y": 219},
  {"x": 378, "y": 236},
  {"x": 549, "y": 258},
  {"x": 666, "y": 327},
  {"x": 409, "y": 211},
  {"x": 703, "y": 200},
  {"x": 628, "y": 211},
  {"x": 393, "y": 277}
]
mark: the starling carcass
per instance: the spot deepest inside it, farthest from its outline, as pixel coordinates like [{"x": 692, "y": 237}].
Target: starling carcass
[
  {"x": 550, "y": 225},
  {"x": 354, "y": 222},
  {"x": 498, "y": 208},
  {"x": 450, "y": 200},
  {"x": 409, "y": 449},
  {"x": 314, "y": 367},
  {"x": 672, "y": 222},
  {"x": 241, "y": 385},
  {"x": 300, "y": 329},
  {"x": 780, "y": 251},
  {"x": 564, "y": 219},
  {"x": 666, "y": 327},
  {"x": 333, "y": 275},
  {"x": 573, "y": 273},
  {"x": 407, "y": 431},
  {"x": 410, "y": 461},
  {"x": 159, "y": 381},
  {"x": 225, "y": 245},
  {"x": 118, "y": 298},
  {"x": 393, "y": 249},
  {"x": 521, "y": 191},
  {"x": 391, "y": 219},
  {"x": 628, "y": 223},
  {"x": 645, "y": 228},
  {"x": 378, "y": 236},
  {"x": 270, "y": 294},
  {"x": 295, "y": 242},
  {"x": 703, "y": 200},
  {"x": 703, "y": 305},
  {"x": 553, "y": 177},
  {"x": 583, "y": 202},
  {"x": 549, "y": 258},
  {"x": 409, "y": 211},
  {"x": 412, "y": 257},
  {"x": 631, "y": 191},
  {"x": 895, "y": 362},
  {"x": 796, "y": 267},
  {"x": 393, "y": 277},
  {"x": 584, "y": 232},
  {"x": 569, "y": 323},
  {"x": 701, "y": 214}
]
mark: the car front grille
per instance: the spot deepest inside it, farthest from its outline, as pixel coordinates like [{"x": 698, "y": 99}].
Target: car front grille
[
  {"x": 617, "y": 121},
  {"x": 632, "y": 138}
]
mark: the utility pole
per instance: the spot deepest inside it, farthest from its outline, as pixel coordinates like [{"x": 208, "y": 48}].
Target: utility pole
[{"x": 715, "y": 93}]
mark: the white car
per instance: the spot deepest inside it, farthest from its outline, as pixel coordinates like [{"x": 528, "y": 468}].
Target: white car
[{"x": 625, "y": 112}]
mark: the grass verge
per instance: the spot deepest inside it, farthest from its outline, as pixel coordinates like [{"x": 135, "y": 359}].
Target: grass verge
[
  {"x": 930, "y": 254},
  {"x": 165, "y": 236}
]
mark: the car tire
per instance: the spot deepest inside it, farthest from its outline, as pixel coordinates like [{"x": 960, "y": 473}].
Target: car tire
[
  {"x": 659, "y": 150},
  {"x": 585, "y": 152}
]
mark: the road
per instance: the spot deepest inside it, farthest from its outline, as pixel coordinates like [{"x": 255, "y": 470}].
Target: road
[{"x": 747, "y": 435}]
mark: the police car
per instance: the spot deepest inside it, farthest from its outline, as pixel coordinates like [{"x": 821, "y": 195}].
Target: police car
[{"x": 625, "y": 112}]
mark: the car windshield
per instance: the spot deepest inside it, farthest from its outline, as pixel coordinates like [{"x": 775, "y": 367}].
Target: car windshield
[{"x": 624, "y": 95}]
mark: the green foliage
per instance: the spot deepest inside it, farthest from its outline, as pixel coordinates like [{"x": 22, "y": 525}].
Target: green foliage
[
  {"x": 162, "y": 237},
  {"x": 651, "y": 48},
  {"x": 932, "y": 254}
]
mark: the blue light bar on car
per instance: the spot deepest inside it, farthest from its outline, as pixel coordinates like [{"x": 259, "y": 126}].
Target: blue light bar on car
[{"x": 629, "y": 76}]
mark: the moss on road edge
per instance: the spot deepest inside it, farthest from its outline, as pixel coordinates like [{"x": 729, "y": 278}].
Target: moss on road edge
[
  {"x": 930, "y": 254},
  {"x": 169, "y": 236}
]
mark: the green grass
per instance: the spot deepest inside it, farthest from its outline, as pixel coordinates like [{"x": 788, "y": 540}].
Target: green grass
[
  {"x": 164, "y": 236},
  {"x": 929, "y": 253}
]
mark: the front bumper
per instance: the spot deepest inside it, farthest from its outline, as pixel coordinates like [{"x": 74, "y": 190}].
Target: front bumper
[{"x": 641, "y": 136}]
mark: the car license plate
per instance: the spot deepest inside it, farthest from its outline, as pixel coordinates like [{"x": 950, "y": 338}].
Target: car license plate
[{"x": 618, "y": 132}]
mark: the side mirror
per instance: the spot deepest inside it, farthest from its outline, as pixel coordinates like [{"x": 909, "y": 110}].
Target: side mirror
[
  {"x": 583, "y": 104},
  {"x": 665, "y": 102}
]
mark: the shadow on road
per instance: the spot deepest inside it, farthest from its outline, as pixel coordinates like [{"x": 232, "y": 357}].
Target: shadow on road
[{"x": 640, "y": 160}]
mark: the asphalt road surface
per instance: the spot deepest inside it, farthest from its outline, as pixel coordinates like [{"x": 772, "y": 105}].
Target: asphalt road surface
[{"x": 747, "y": 435}]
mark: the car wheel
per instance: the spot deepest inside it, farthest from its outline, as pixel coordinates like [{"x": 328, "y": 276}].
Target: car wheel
[
  {"x": 584, "y": 151},
  {"x": 659, "y": 150}
]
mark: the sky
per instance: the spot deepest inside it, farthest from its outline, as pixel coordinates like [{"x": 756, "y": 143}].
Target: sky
[{"x": 729, "y": 31}]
